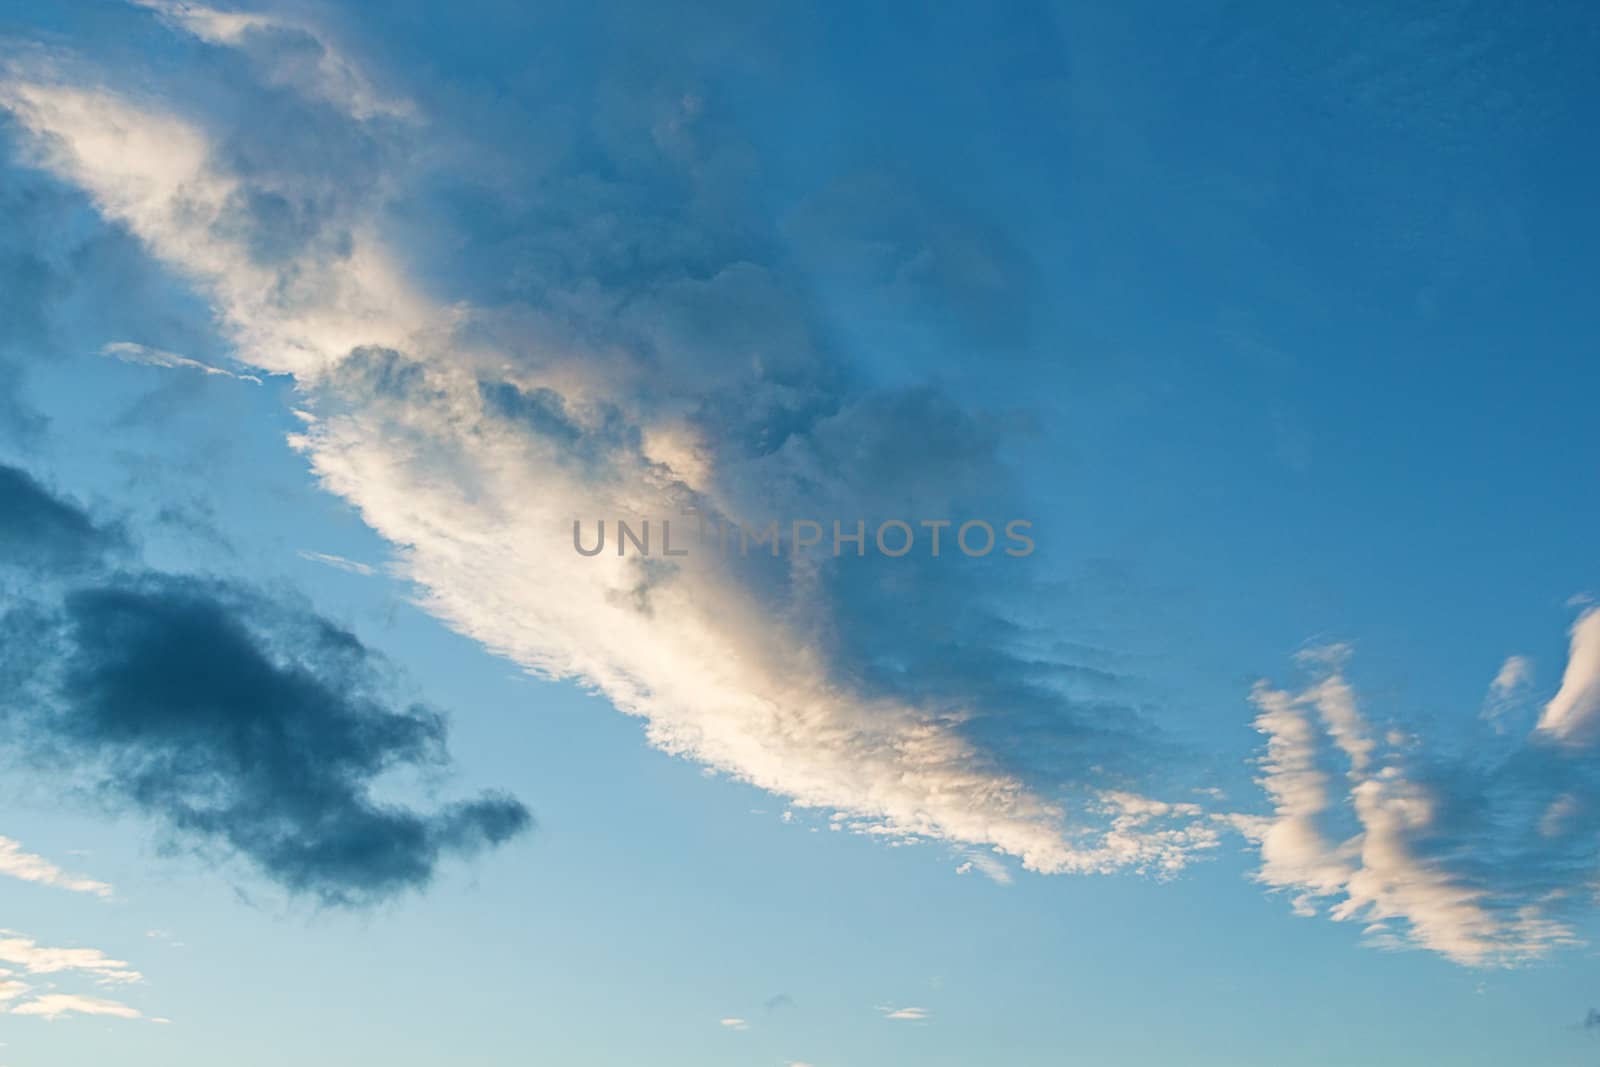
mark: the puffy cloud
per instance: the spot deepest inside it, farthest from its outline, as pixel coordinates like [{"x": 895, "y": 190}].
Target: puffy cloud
[
  {"x": 232, "y": 719},
  {"x": 665, "y": 375},
  {"x": 238, "y": 720},
  {"x": 159, "y": 175},
  {"x": 747, "y": 666}
]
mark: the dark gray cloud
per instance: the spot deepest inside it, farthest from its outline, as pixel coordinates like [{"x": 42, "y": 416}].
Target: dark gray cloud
[
  {"x": 40, "y": 530},
  {"x": 243, "y": 723}
]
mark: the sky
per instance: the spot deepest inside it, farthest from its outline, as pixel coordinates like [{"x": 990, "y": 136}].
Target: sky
[{"x": 1266, "y": 732}]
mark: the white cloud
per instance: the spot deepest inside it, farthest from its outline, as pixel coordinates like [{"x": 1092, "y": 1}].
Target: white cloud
[
  {"x": 21, "y": 951},
  {"x": 483, "y": 507},
  {"x": 129, "y": 352},
  {"x": 1572, "y": 713},
  {"x": 1559, "y": 814},
  {"x": 60, "y": 1005},
  {"x": 339, "y": 563},
  {"x": 327, "y": 74},
  {"x": 986, "y": 865},
  {"x": 1294, "y": 851},
  {"x": 208, "y": 24},
  {"x": 905, "y": 1014},
  {"x": 1508, "y": 691},
  {"x": 1416, "y": 853},
  {"x": 18, "y": 997},
  {"x": 1515, "y": 673},
  {"x": 17, "y": 863},
  {"x": 155, "y": 173},
  {"x": 733, "y": 1024}
]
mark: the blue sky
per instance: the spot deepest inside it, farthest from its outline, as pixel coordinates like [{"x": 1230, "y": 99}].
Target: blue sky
[{"x": 320, "y": 326}]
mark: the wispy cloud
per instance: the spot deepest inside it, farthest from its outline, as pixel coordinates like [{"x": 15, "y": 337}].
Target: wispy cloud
[
  {"x": 733, "y": 1023},
  {"x": 26, "y": 953},
  {"x": 17, "y": 863},
  {"x": 339, "y": 563},
  {"x": 61, "y": 1005},
  {"x": 1508, "y": 690},
  {"x": 1483, "y": 860},
  {"x": 291, "y": 53},
  {"x": 911, "y": 1015},
  {"x": 128, "y": 352},
  {"x": 1514, "y": 673},
  {"x": 986, "y": 865}
]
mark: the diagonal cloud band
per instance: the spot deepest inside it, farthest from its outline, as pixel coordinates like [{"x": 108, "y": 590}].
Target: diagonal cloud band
[{"x": 472, "y": 437}]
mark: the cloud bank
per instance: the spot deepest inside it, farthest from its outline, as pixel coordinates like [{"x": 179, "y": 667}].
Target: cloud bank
[{"x": 659, "y": 360}]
